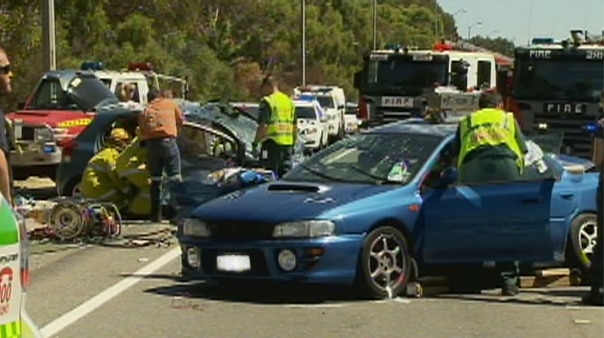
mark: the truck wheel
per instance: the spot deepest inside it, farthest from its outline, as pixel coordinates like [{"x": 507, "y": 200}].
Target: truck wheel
[
  {"x": 583, "y": 238},
  {"x": 385, "y": 263}
]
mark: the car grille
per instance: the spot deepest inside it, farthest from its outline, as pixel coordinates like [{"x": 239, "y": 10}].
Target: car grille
[
  {"x": 241, "y": 231},
  {"x": 387, "y": 115},
  {"x": 28, "y": 133},
  {"x": 576, "y": 141},
  {"x": 257, "y": 262}
]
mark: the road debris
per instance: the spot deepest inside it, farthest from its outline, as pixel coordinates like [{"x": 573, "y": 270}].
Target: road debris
[
  {"x": 184, "y": 302},
  {"x": 581, "y": 321}
]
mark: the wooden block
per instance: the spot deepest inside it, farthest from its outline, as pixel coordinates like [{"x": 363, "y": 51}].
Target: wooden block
[
  {"x": 553, "y": 272},
  {"x": 528, "y": 282}
]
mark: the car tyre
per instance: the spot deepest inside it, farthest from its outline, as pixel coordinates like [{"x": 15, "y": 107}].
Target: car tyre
[
  {"x": 583, "y": 238},
  {"x": 72, "y": 187},
  {"x": 385, "y": 263}
]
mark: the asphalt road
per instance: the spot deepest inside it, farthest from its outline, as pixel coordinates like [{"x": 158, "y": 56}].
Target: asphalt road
[{"x": 121, "y": 290}]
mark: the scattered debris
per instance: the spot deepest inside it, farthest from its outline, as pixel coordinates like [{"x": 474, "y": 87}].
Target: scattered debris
[
  {"x": 582, "y": 321},
  {"x": 143, "y": 259},
  {"x": 184, "y": 302}
]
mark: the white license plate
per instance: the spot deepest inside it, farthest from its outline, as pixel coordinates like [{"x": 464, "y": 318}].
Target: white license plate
[
  {"x": 233, "y": 263},
  {"x": 397, "y": 101}
]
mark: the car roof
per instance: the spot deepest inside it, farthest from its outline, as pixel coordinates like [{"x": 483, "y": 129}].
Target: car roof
[
  {"x": 416, "y": 126},
  {"x": 304, "y": 103}
]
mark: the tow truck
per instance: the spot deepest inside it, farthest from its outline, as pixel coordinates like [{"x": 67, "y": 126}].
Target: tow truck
[
  {"x": 393, "y": 80},
  {"x": 63, "y": 103},
  {"x": 557, "y": 88}
]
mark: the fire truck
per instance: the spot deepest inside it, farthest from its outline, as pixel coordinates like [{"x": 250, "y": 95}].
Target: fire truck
[
  {"x": 62, "y": 104},
  {"x": 557, "y": 88},
  {"x": 392, "y": 81}
]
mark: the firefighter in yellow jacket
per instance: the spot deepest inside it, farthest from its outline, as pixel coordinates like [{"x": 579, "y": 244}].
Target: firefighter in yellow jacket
[
  {"x": 100, "y": 180},
  {"x": 131, "y": 168}
]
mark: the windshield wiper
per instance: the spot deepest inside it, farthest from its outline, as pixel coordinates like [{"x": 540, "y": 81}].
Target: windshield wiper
[
  {"x": 378, "y": 179},
  {"x": 321, "y": 174}
]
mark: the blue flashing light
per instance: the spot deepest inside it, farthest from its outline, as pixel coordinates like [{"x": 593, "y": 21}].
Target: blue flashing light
[
  {"x": 542, "y": 41},
  {"x": 49, "y": 149},
  {"x": 92, "y": 65},
  {"x": 594, "y": 129}
]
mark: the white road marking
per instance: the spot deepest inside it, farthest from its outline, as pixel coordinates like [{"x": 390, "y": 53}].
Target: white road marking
[
  {"x": 393, "y": 300},
  {"x": 95, "y": 302}
]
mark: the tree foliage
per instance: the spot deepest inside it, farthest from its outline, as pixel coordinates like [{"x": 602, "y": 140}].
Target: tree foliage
[
  {"x": 499, "y": 44},
  {"x": 223, "y": 46}
]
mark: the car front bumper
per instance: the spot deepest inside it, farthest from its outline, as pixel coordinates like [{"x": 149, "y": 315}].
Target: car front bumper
[
  {"x": 329, "y": 260},
  {"x": 46, "y": 155}
]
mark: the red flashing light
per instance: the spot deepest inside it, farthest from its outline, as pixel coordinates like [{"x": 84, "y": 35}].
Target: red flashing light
[
  {"x": 140, "y": 66},
  {"x": 441, "y": 47}
]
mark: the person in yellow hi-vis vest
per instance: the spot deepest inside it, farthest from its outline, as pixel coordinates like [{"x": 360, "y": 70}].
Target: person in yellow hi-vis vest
[
  {"x": 100, "y": 180},
  {"x": 277, "y": 127},
  {"x": 491, "y": 149},
  {"x": 490, "y": 144}
]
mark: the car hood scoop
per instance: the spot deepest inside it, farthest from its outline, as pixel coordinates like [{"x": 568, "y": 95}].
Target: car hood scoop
[
  {"x": 293, "y": 187},
  {"x": 285, "y": 201}
]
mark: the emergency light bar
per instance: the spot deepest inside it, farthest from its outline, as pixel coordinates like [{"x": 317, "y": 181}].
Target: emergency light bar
[
  {"x": 140, "y": 66},
  {"x": 92, "y": 65}
]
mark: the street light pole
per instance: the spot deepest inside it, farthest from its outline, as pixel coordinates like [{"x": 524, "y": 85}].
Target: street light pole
[
  {"x": 303, "y": 24},
  {"x": 374, "y": 24},
  {"x": 48, "y": 30},
  {"x": 470, "y": 28}
]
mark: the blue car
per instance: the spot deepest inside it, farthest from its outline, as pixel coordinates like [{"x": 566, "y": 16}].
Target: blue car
[{"x": 382, "y": 207}]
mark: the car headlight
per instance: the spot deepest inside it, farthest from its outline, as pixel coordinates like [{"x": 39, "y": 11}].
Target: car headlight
[
  {"x": 306, "y": 229},
  {"x": 43, "y": 134},
  {"x": 195, "y": 228}
]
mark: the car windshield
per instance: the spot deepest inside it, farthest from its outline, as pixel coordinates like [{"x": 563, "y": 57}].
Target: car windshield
[
  {"x": 559, "y": 80},
  {"x": 326, "y": 102},
  {"x": 372, "y": 158},
  {"x": 306, "y": 113},
  {"x": 241, "y": 125},
  {"x": 400, "y": 72}
]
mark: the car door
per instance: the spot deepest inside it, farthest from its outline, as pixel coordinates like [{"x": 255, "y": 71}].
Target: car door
[{"x": 499, "y": 221}]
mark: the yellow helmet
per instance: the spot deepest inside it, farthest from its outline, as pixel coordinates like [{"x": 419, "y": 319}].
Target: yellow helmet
[{"x": 119, "y": 134}]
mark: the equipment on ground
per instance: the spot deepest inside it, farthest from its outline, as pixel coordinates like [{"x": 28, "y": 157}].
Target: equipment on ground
[{"x": 71, "y": 218}]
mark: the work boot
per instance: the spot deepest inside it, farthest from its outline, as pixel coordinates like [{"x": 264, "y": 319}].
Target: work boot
[
  {"x": 595, "y": 297},
  {"x": 510, "y": 290},
  {"x": 155, "y": 193}
]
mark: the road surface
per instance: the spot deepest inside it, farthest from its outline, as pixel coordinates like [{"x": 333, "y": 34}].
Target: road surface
[{"x": 123, "y": 290}]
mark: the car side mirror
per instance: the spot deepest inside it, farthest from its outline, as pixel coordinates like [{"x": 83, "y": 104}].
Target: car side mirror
[
  {"x": 341, "y": 107},
  {"x": 21, "y": 105},
  {"x": 448, "y": 176}
]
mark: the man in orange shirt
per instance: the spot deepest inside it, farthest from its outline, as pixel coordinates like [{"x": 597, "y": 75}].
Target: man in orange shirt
[{"x": 159, "y": 124}]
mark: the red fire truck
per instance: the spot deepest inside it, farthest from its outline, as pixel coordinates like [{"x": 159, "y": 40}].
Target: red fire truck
[{"x": 557, "y": 88}]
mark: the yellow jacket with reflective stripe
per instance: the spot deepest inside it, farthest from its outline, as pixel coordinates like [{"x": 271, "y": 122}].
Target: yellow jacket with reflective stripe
[
  {"x": 488, "y": 127},
  {"x": 281, "y": 127},
  {"x": 100, "y": 179}
]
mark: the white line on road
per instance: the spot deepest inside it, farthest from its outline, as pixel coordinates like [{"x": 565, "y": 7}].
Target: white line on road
[{"x": 95, "y": 302}]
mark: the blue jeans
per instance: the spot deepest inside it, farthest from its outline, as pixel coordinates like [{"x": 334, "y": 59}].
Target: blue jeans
[{"x": 163, "y": 156}]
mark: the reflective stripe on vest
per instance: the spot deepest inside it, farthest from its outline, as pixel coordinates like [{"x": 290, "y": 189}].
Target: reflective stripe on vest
[
  {"x": 488, "y": 127},
  {"x": 98, "y": 167},
  {"x": 281, "y": 125},
  {"x": 11, "y": 330}
]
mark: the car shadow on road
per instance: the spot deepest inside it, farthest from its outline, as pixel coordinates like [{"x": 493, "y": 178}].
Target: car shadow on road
[{"x": 260, "y": 293}]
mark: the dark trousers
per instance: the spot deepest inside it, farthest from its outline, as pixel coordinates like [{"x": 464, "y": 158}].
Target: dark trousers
[
  {"x": 597, "y": 263},
  {"x": 483, "y": 169},
  {"x": 275, "y": 157},
  {"x": 163, "y": 156}
]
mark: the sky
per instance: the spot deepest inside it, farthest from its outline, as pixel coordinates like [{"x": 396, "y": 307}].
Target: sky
[{"x": 521, "y": 20}]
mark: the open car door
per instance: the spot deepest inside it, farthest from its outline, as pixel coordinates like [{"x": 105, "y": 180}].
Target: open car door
[{"x": 491, "y": 222}]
